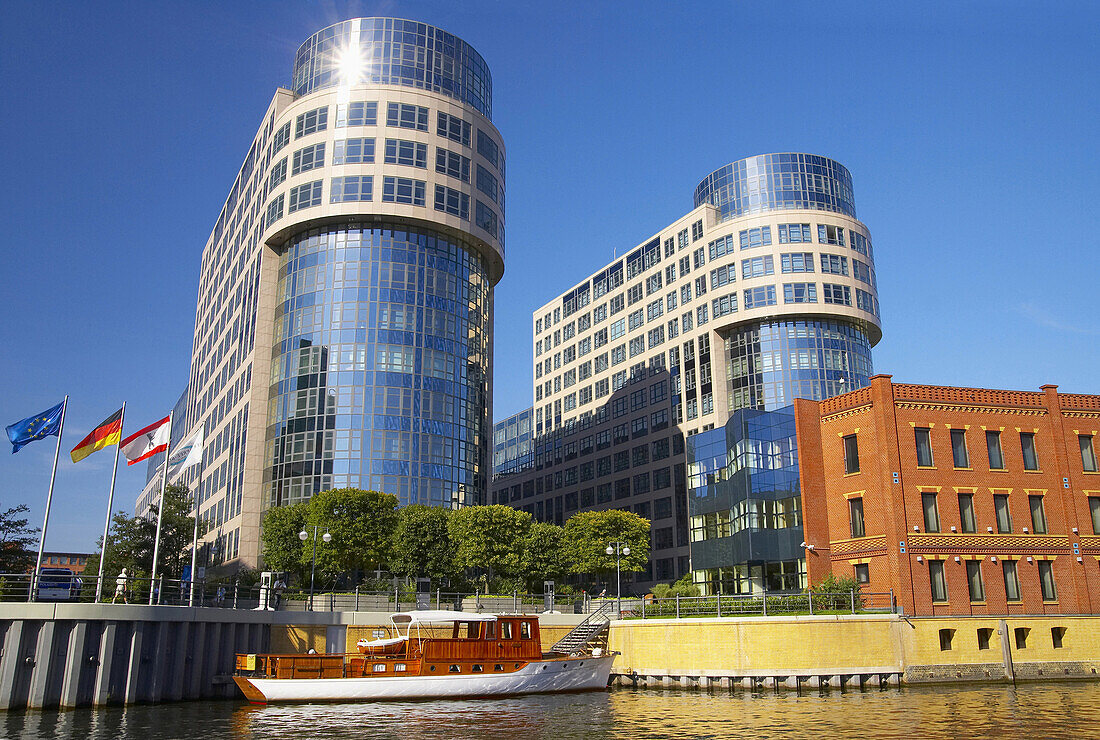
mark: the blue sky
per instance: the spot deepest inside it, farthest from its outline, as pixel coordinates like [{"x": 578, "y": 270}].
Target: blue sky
[{"x": 970, "y": 129}]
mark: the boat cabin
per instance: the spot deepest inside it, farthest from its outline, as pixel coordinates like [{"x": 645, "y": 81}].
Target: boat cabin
[{"x": 424, "y": 643}]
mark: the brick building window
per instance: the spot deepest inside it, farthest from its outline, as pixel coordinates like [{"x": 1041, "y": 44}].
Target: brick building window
[
  {"x": 974, "y": 580},
  {"x": 958, "y": 448},
  {"x": 851, "y": 454},
  {"x": 1004, "y": 516},
  {"x": 1094, "y": 510},
  {"x": 931, "y": 512},
  {"x": 1046, "y": 580},
  {"x": 863, "y": 573},
  {"x": 924, "y": 447},
  {"x": 1012, "y": 580},
  {"x": 937, "y": 580},
  {"x": 1038, "y": 515},
  {"x": 1027, "y": 448},
  {"x": 855, "y": 512},
  {"x": 993, "y": 447},
  {"x": 966, "y": 513},
  {"x": 1088, "y": 454}
]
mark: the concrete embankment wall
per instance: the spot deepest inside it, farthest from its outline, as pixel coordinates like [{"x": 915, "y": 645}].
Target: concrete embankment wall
[
  {"x": 855, "y": 650},
  {"x": 69, "y": 655}
]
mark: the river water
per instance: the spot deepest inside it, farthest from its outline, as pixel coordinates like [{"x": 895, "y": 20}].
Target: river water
[{"x": 1004, "y": 712}]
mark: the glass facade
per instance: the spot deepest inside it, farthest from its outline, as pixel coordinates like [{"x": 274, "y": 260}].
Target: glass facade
[
  {"x": 392, "y": 51},
  {"x": 745, "y": 505},
  {"x": 379, "y": 369},
  {"x": 770, "y": 364},
  {"x": 513, "y": 444},
  {"x": 771, "y": 182}
]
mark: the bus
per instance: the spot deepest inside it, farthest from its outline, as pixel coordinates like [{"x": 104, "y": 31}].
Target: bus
[{"x": 58, "y": 584}]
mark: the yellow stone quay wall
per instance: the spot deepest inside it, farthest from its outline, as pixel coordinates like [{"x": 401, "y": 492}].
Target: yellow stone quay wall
[{"x": 860, "y": 644}]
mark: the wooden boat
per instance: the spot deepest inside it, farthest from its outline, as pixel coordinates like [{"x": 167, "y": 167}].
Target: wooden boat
[{"x": 431, "y": 654}]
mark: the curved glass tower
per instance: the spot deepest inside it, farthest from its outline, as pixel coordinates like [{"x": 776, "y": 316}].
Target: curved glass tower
[
  {"x": 344, "y": 328},
  {"x": 388, "y": 250},
  {"x": 809, "y": 309}
]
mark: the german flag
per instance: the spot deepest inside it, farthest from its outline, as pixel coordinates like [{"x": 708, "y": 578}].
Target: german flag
[{"x": 106, "y": 434}]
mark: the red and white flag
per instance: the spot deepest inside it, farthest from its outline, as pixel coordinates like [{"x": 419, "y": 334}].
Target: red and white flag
[{"x": 147, "y": 442}]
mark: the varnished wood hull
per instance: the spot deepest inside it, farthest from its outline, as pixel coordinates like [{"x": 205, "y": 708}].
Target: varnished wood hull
[{"x": 580, "y": 673}]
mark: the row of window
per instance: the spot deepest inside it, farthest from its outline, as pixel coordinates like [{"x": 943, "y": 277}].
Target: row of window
[
  {"x": 1010, "y": 574},
  {"x": 394, "y": 190},
  {"x": 396, "y": 151},
  {"x": 649, "y": 255},
  {"x": 960, "y": 453},
  {"x": 398, "y": 115},
  {"x": 968, "y": 520}
]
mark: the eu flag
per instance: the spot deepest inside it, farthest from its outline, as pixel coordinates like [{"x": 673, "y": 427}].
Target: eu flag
[{"x": 39, "y": 426}]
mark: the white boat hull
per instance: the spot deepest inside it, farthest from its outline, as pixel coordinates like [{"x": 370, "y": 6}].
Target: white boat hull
[{"x": 578, "y": 673}]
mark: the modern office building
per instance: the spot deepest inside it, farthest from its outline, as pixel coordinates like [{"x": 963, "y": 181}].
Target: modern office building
[
  {"x": 745, "y": 505},
  {"x": 344, "y": 327},
  {"x": 764, "y": 292}
]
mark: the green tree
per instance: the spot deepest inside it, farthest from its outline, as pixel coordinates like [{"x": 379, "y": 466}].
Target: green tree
[
  {"x": 542, "y": 557},
  {"x": 131, "y": 540},
  {"x": 17, "y": 541},
  {"x": 362, "y": 524},
  {"x": 489, "y": 537},
  {"x": 282, "y": 550},
  {"x": 587, "y": 534},
  {"x": 422, "y": 543}
]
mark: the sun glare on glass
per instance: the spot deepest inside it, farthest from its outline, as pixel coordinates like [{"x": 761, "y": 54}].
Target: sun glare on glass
[{"x": 350, "y": 63}]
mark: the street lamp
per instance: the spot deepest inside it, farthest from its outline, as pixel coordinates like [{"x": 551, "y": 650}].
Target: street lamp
[
  {"x": 618, "y": 549},
  {"x": 303, "y": 536}
]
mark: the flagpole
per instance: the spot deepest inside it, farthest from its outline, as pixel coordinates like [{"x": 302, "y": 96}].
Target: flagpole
[
  {"x": 160, "y": 512},
  {"x": 110, "y": 505},
  {"x": 195, "y": 536},
  {"x": 49, "y": 498}
]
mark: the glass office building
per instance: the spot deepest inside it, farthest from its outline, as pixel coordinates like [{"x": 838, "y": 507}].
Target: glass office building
[
  {"x": 746, "y": 505},
  {"x": 763, "y": 293},
  {"x": 344, "y": 327}
]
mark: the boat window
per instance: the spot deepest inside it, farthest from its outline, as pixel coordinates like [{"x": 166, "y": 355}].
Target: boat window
[
  {"x": 399, "y": 667},
  {"x": 478, "y": 668},
  {"x": 506, "y": 630},
  {"x": 516, "y": 665},
  {"x": 454, "y": 668},
  {"x": 472, "y": 630},
  {"x": 379, "y": 667},
  {"x": 498, "y": 667},
  {"x": 490, "y": 630},
  {"x": 525, "y": 630},
  {"x": 431, "y": 668}
]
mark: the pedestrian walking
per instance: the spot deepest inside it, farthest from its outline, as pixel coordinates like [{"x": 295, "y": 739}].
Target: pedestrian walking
[
  {"x": 121, "y": 588},
  {"x": 278, "y": 587}
]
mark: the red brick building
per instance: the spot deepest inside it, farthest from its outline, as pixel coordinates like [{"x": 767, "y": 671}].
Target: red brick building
[{"x": 961, "y": 500}]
